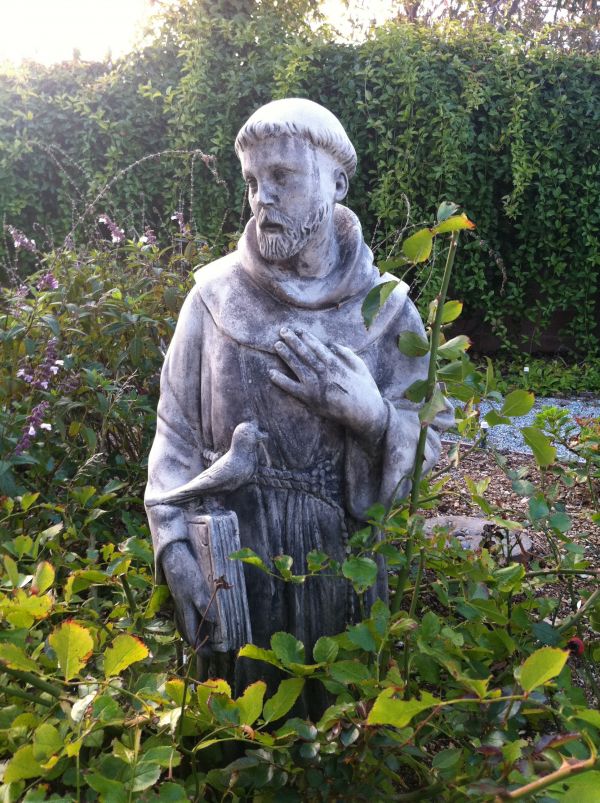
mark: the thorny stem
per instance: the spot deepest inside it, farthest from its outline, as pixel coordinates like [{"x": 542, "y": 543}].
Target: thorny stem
[
  {"x": 568, "y": 768},
  {"x": 431, "y": 380},
  {"x": 575, "y": 617}
]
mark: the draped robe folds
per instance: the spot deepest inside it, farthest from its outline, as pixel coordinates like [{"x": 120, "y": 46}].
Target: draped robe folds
[{"x": 315, "y": 479}]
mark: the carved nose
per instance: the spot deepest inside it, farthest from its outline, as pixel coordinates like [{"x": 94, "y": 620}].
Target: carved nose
[{"x": 265, "y": 196}]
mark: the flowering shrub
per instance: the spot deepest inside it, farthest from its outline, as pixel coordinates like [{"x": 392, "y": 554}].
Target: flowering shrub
[{"x": 461, "y": 689}]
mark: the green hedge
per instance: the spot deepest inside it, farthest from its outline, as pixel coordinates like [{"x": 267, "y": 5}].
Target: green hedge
[{"x": 505, "y": 128}]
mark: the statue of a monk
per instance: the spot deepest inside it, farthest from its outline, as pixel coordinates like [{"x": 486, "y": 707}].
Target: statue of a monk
[{"x": 272, "y": 336}]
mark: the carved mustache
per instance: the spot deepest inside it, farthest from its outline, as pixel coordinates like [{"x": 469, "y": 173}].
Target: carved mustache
[{"x": 271, "y": 217}]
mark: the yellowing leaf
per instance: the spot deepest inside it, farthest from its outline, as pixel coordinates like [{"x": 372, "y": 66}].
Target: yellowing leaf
[
  {"x": 43, "y": 577},
  {"x": 73, "y": 645},
  {"x": 22, "y": 766},
  {"x": 15, "y": 657},
  {"x": 417, "y": 247},
  {"x": 454, "y": 223},
  {"x": 398, "y": 713},
  {"x": 541, "y": 667},
  {"x": 251, "y": 702},
  {"x": 124, "y": 651}
]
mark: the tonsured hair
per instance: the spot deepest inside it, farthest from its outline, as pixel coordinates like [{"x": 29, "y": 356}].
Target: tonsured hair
[{"x": 297, "y": 117}]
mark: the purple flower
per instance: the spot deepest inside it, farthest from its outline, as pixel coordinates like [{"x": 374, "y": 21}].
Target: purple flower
[
  {"x": 148, "y": 237},
  {"x": 69, "y": 244},
  {"x": 32, "y": 425},
  {"x": 47, "y": 282},
  {"x": 21, "y": 240},
  {"x": 117, "y": 234},
  {"x": 44, "y": 373}
]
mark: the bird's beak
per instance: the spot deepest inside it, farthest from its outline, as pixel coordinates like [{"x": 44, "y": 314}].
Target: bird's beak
[{"x": 262, "y": 436}]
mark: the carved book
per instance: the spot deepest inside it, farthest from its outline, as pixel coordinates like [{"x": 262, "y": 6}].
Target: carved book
[{"x": 214, "y": 537}]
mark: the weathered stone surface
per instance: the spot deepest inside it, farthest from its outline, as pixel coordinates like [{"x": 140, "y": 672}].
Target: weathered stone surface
[
  {"x": 475, "y": 532},
  {"x": 277, "y": 403}
]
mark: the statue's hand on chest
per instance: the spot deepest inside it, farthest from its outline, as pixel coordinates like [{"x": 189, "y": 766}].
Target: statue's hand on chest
[{"x": 332, "y": 381}]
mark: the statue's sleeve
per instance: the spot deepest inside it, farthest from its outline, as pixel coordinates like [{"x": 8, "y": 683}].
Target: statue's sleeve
[
  {"x": 176, "y": 454},
  {"x": 382, "y": 472}
]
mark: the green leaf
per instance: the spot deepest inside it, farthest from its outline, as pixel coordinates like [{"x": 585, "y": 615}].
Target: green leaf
[
  {"x": 398, "y": 713},
  {"x": 417, "y": 247},
  {"x": 362, "y": 572},
  {"x": 451, "y": 311},
  {"x": 361, "y": 636},
  {"x": 413, "y": 345},
  {"x": 287, "y": 648},
  {"x": 12, "y": 570},
  {"x": 453, "y": 348},
  {"x": 109, "y": 789},
  {"x": 325, "y": 650},
  {"x": 560, "y": 521},
  {"x": 250, "y": 704},
  {"x": 445, "y": 209},
  {"x": 27, "y": 500},
  {"x": 437, "y": 404},
  {"x": 145, "y": 775},
  {"x": 46, "y": 742},
  {"x": 545, "y": 664},
  {"x": 15, "y": 657},
  {"x": 73, "y": 646},
  {"x": 417, "y": 391},
  {"x": 540, "y": 445},
  {"x": 247, "y": 555},
  {"x": 454, "y": 223},
  {"x": 259, "y": 654},
  {"x": 124, "y": 651},
  {"x": 538, "y": 509},
  {"x": 582, "y": 788},
  {"x": 224, "y": 709},
  {"x": 375, "y": 300},
  {"x": 494, "y": 419},
  {"x": 518, "y": 403},
  {"x": 349, "y": 672},
  {"x": 284, "y": 698},
  {"x": 22, "y": 766},
  {"x": 43, "y": 577}
]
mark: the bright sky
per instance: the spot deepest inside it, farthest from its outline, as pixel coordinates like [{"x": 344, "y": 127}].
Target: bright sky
[{"x": 49, "y": 30}]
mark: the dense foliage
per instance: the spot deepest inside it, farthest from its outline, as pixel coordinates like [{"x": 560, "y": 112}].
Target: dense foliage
[
  {"x": 503, "y": 122},
  {"x": 473, "y": 684}
]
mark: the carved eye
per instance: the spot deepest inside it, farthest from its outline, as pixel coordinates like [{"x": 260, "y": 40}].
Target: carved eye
[{"x": 279, "y": 176}]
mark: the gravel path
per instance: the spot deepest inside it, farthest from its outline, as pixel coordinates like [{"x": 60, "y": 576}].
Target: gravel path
[{"x": 509, "y": 438}]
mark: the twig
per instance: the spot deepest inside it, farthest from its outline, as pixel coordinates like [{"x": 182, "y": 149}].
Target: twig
[{"x": 575, "y": 617}]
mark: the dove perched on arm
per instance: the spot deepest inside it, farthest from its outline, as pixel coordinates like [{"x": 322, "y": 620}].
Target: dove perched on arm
[{"x": 233, "y": 469}]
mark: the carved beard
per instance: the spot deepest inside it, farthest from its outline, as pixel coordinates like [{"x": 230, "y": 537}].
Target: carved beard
[{"x": 284, "y": 244}]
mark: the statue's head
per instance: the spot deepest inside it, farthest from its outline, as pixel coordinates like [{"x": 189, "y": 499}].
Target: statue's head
[{"x": 296, "y": 159}]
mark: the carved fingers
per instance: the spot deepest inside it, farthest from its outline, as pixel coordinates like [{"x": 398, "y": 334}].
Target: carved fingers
[{"x": 332, "y": 380}]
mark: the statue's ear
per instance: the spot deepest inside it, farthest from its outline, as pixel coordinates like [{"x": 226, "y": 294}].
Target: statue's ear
[{"x": 341, "y": 184}]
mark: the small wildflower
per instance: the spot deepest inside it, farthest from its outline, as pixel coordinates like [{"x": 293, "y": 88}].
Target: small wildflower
[
  {"x": 20, "y": 240},
  {"x": 47, "y": 282},
  {"x": 69, "y": 244},
  {"x": 33, "y": 423},
  {"x": 178, "y": 216},
  {"x": 148, "y": 237},
  {"x": 46, "y": 426},
  {"x": 117, "y": 234}
]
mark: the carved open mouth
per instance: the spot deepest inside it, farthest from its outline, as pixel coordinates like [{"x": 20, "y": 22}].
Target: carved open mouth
[{"x": 269, "y": 227}]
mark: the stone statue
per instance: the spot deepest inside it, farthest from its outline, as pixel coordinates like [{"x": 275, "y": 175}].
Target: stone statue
[{"x": 276, "y": 402}]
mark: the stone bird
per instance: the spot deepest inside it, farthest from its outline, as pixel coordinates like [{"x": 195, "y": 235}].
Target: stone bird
[{"x": 233, "y": 469}]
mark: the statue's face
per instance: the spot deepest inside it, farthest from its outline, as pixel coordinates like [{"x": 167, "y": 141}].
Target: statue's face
[{"x": 291, "y": 190}]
